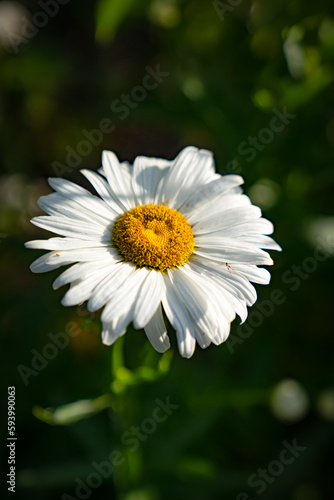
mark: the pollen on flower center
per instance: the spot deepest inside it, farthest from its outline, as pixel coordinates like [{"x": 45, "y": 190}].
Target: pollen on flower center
[{"x": 155, "y": 236}]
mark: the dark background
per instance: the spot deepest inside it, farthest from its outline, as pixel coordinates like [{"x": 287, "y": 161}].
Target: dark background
[{"x": 231, "y": 67}]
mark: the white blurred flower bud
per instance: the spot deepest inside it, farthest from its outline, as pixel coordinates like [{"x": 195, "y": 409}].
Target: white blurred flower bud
[
  {"x": 289, "y": 401},
  {"x": 264, "y": 193},
  {"x": 325, "y": 404},
  {"x": 12, "y": 18}
]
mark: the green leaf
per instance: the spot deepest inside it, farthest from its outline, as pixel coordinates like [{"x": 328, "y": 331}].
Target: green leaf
[{"x": 73, "y": 412}]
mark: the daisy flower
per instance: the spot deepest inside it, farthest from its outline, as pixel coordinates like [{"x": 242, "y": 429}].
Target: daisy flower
[{"x": 170, "y": 236}]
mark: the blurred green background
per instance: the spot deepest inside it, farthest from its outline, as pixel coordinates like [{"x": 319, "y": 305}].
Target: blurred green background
[{"x": 223, "y": 70}]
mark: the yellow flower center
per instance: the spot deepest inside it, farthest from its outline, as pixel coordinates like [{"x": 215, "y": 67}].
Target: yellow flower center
[{"x": 155, "y": 236}]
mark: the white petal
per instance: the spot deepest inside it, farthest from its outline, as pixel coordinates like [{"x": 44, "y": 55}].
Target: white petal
[
  {"x": 234, "y": 252},
  {"x": 122, "y": 163},
  {"x": 234, "y": 290},
  {"x": 261, "y": 241},
  {"x": 104, "y": 291},
  {"x": 190, "y": 170},
  {"x": 230, "y": 279},
  {"x": 179, "y": 319},
  {"x": 147, "y": 173},
  {"x": 121, "y": 323},
  {"x": 216, "y": 319},
  {"x": 253, "y": 242},
  {"x": 214, "y": 189},
  {"x": 219, "y": 206},
  {"x": 69, "y": 227},
  {"x": 252, "y": 227},
  {"x": 102, "y": 187},
  {"x": 53, "y": 260},
  {"x": 222, "y": 333},
  {"x": 81, "y": 196},
  {"x": 43, "y": 264},
  {"x": 156, "y": 332},
  {"x": 236, "y": 190},
  {"x": 123, "y": 302},
  {"x": 82, "y": 291},
  {"x": 202, "y": 338},
  {"x": 109, "y": 336},
  {"x": 194, "y": 298},
  {"x": 119, "y": 179},
  {"x": 149, "y": 299},
  {"x": 80, "y": 271},
  {"x": 56, "y": 204},
  {"x": 216, "y": 295},
  {"x": 255, "y": 274},
  {"x": 66, "y": 243},
  {"x": 227, "y": 218}
]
